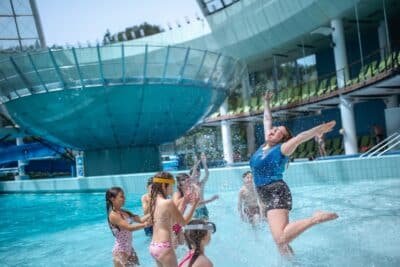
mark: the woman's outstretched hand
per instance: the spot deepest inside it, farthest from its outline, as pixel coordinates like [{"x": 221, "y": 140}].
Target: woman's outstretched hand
[
  {"x": 325, "y": 127},
  {"x": 268, "y": 96}
]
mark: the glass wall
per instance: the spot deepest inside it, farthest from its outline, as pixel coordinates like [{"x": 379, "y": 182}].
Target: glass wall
[
  {"x": 289, "y": 74},
  {"x": 211, "y": 6},
  {"x": 18, "y": 26},
  {"x": 307, "y": 68}
]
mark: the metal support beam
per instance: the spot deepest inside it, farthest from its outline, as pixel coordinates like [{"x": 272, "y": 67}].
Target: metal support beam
[
  {"x": 78, "y": 69},
  {"x": 53, "y": 60},
  {"x": 182, "y": 71},
  {"x": 38, "y": 23},
  {"x": 359, "y": 34},
  {"x": 145, "y": 63},
  {"x": 37, "y": 73},
  {"x": 9, "y": 84},
  {"x": 21, "y": 75},
  {"x": 123, "y": 63},
  {"x": 201, "y": 65},
  {"x": 213, "y": 69},
  {"x": 16, "y": 24},
  {"x": 100, "y": 65},
  {"x": 165, "y": 64},
  {"x": 275, "y": 74},
  {"x": 386, "y": 27},
  {"x": 231, "y": 72}
]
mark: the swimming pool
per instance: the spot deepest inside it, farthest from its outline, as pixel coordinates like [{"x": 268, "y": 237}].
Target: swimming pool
[{"x": 71, "y": 229}]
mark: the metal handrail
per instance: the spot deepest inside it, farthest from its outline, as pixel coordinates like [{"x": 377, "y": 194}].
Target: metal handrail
[
  {"x": 378, "y": 147},
  {"x": 18, "y": 79},
  {"x": 390, "y": 147},
  {"x": 384, "y": 145}
]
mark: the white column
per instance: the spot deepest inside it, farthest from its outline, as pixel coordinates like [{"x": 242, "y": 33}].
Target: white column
[
  {"x": 21, "y": 163},
  {"x": 251, "y": 139},
  {"x": 226, "y": 135},
  {"x": 339, "y": 51},
  {"x": 382, "y": 39},
  {"x": 392, "y": 101},
  {"x": 80, "y": 165},
  {"x": 348, "y": 124},
  {"x": 392, "y": 115}
]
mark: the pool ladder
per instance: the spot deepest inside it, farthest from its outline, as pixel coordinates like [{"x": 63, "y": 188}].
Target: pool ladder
[{"x": 381, "y": 148}]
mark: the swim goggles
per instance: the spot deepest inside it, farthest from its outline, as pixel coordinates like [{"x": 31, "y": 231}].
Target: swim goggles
[{"x": 207, "y": 226}]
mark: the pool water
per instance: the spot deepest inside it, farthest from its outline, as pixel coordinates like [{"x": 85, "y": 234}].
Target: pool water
[{"x": 71, "y": 229}]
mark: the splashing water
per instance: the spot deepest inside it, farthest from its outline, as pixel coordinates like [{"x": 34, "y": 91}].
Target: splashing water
[{"x": 71, "y": 229}]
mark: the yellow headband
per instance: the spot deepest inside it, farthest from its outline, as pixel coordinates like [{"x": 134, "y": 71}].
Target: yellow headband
[{"x": 163, "y": 180}]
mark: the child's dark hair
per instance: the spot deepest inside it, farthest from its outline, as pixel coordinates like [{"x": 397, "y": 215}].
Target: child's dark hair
[
  {"x": 179, "y": 178},
  {"x": 245, "y": 174},
  {"x": 289, "y": 134},
  {"x": 157, "y": 188},
  {"x": 113, "y": 193},
  {"x": 194, "y": 238}
]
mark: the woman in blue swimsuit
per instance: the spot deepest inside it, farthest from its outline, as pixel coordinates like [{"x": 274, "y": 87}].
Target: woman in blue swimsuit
[{"x": 268, "y": 165}]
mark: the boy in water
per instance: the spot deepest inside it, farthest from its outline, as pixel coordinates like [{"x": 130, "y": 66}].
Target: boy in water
[
  {"x": 247, "y": 205},
  {"x": 198, "y": 185},
  {"x": 146, "y": 206}
]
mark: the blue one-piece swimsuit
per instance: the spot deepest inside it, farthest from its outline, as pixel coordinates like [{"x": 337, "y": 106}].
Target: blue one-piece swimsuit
[{"x": 268, "y": 165}]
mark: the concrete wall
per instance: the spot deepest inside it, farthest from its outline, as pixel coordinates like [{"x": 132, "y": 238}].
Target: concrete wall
[
  {"x": 225, "y": 179},
  {"x": 122, "y": 160}
]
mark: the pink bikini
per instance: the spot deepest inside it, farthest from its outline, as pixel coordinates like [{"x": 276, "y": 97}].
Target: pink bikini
[{"x": 157, "y": 249}]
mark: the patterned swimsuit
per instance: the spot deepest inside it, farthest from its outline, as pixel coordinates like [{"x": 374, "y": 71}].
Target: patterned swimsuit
[{"x": 123, "y": 251}]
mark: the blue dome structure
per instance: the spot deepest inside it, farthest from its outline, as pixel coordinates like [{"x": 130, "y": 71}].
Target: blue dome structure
[{"x": 116, "y": 103}]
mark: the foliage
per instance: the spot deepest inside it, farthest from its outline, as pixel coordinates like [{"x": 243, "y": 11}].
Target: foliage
[{"x": 130, "y": 33}]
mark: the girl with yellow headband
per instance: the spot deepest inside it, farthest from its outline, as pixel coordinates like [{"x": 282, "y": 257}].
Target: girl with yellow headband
[{"x": 163, "y": 213}]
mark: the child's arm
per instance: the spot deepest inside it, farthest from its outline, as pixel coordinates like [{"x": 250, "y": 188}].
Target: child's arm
[
  {"x": 142, "y": 219},
  {"x": 184, "y": 219},
  {"x": 116, "y": 219},
  {"x": 206, "y": 201},
  {"x": 195, "y": 166},
  {"x": 181, "y": 204},
  {"x": 145, "y": 204}
]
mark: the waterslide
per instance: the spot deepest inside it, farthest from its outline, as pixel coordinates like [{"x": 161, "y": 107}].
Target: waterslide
[{"x": 31, "y": 151}]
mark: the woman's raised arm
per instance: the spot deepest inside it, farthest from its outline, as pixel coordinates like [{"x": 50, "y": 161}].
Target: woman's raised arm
[
  {"x": 267, "y": 114},
  {"x": 290, "y": 146}
]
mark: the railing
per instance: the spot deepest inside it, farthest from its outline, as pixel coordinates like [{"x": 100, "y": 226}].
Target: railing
[
  {"x": 358, "y": 75},
  {"x": 76, "y": 68},
  {"x": 9, "y": 170},
  {"x": 381, "y": 148}
]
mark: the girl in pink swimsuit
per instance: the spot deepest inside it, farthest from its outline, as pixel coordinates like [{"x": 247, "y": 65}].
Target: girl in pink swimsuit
[
  {"x": 119, "y": 221},
  {"x": 198, "y": 235},
  {"x": 164, "y": 213}
]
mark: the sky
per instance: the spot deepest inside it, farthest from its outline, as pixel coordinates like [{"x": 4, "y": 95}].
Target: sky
[{"x": 73, "y": 21}]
